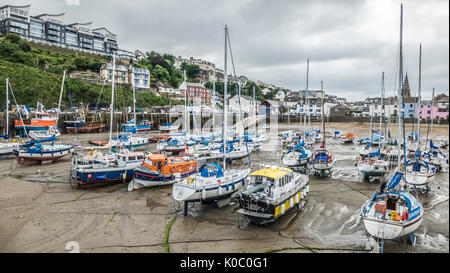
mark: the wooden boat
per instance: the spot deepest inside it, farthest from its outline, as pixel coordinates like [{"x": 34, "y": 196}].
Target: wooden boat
[
  {"x": 80, "y": 125},
  {"x": 88, "y": 128},
  {"x": 99, "y": 142},
  {"x": 157, "y": 170}
]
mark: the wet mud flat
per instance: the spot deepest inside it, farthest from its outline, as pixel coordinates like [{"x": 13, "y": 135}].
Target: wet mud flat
[{"x": 40, "y": 212}]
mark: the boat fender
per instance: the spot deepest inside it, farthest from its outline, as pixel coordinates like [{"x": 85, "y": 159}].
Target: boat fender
[
  {"x": 282, "y": 208},
  {"x": 219, "y": 190},
  {"x": 204, "y": 194},
  {"x": 228, "y": 187},
  {"x": 296, "y": 198},
  {"x": 243, "y": 182},
  {"x": 232, "y": 186},
  {"x": 124, "y": 176},
  {"x": 358, "y": 219},
  {"x": 131, "y": 186},
  {"x": 291, "y": 202}
]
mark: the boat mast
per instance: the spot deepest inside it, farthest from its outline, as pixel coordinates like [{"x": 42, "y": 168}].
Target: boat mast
[
  {"x": 7, "y": 109},
  {"x": 371, "y": 124},
  {"x": 215, "y": 94},
  {"x": 389, "y": 120},
  {"x": 225, "y": 105},
  {"x": 323, "y": 121},
  {"x": 186, "y": 115},
  {"x": 307, "y": 88},
  {"x": 430, "y": 124},
  {"x": 420, "y": 98},
  {"x": 254, "y": 115},
  {"x": 134, "y": 105},
  {"x": 60, "y": 95},
  {"x": 400, "y": 91},
  {"x": 382, "y": 106},
  {"x": 112, "y": 97}
]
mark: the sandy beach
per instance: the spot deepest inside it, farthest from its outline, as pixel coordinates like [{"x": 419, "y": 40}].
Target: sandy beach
[{"x": 40, "y": 212}]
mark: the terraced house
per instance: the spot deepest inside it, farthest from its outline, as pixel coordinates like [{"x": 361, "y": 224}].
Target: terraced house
[{"x": 51, "y": 29}]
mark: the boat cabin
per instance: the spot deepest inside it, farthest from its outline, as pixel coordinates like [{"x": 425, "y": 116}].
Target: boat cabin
[
  {"x": 167, "y": 165},
  {"x": 124, "y": 158},
  {"x": 272, "y": 182},
  {"x": 322, "y": 156}
]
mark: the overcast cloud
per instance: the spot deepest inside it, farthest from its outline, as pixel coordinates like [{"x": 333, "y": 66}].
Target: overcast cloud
[{"x": 349, "y": 43}]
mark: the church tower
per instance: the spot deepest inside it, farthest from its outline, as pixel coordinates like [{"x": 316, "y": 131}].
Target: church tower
[{"x": 406, "y": 90}]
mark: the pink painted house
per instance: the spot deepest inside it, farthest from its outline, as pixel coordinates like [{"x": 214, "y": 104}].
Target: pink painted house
[{"x": 436, "y": 112}]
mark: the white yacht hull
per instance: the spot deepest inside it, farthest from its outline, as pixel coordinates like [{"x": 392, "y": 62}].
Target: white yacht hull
[
  {"x": 390, "y": 230},
  {"x": 183, "y": 191}
]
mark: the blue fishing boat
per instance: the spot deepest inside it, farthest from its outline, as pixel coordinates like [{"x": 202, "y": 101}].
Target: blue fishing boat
[
  {"x": 143, "y": 126},
  {"x": 97, "y": 168},
  {"x": 33, "y": 152}
]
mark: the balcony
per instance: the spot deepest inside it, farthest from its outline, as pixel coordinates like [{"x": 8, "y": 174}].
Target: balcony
[
  {"x": 52, "y": 32},
  {"x": 71, "y": 29},
  {"x": 55, "y": 27},
  {"x": 53, "y": 38}
]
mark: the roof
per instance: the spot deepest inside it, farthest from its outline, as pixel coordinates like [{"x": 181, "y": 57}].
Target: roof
[
  {"x": 82, "y": 24},
  {"x": 195, "y": 84},
  {"x": 25, "y": 6},
  {"x": 104, "y": 29},
  {"x": 51, "y": 15},
  {"x": 272, "y": 173},
  {"x": 272, "y": 103}
]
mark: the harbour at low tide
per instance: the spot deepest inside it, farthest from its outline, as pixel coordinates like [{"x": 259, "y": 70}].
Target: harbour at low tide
[{"x": 40, "y": 212}]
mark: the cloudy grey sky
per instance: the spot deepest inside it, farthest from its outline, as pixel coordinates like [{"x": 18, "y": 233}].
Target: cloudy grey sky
[{"x": 349, "y": 42}]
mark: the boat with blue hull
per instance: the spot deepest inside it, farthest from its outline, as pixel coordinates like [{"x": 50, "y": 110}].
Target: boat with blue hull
[
  {"x": 33, "y": 152},
  {"x": 143, "y": 126},
  {"x": 97, "y": 168}
]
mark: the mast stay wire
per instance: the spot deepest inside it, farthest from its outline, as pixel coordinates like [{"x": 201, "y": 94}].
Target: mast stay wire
[{"x": 239, "y": 97}]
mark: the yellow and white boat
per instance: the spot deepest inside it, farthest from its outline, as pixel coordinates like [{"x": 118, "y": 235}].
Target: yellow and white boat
[{"x": 271, "y": 192}]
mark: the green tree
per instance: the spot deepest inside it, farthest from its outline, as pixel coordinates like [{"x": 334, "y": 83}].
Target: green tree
[{"x": 160, "y": 73}]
